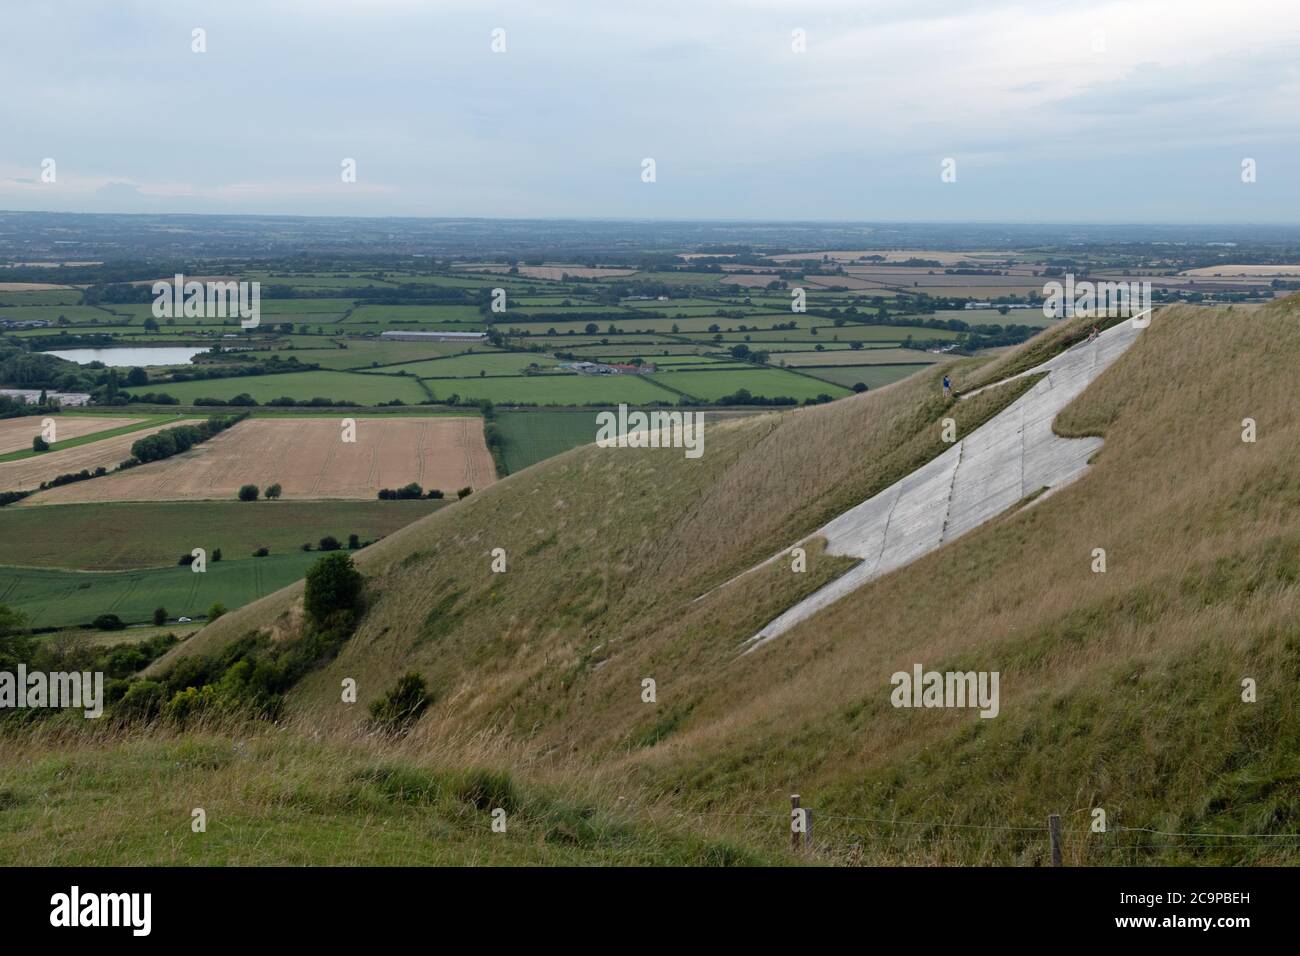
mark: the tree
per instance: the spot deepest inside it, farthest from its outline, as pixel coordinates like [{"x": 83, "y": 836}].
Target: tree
[
  {"x": 151, "y": 324},
  {"x": 354, "y": 542},
  {"x": 329, "y": 543},
  {"x": 216, "y": 555},
  {"x": 159, "y": 616},
  {"x": 40, "y": 444},
  {"x": 272, "y": 493},
  {"x": 137, "y": 376},
  {"x": 108, "y": 622},
  {"x": 248, "y": 493},
  {"x": 333, "y": 584},
  {"x": 216, "y": 611}
]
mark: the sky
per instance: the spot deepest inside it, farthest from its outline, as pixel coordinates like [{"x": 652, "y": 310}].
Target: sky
[{"x": 1049, "y": 110}]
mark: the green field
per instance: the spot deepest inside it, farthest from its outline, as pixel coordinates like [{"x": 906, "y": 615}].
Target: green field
[
  {"x": 493, "y": 363},
  {"x": 529, "y": 437},
  {"x": 556, "y": 389},
  {"x": 872, "y": 376},
  {"x": 363, "y": 354},
  {"x": 148, "y": 534},
  {"x": 303, "y": 386},
  {"x": 761, "y": 382},
  {"x": 51, "y": 598}
]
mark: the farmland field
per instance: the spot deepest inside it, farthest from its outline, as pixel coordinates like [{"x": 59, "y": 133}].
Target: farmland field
[
  {"x": 569, "y": 389},
  {"x": 27, "y": 473},
  {"x": 529, "y": 437},
  {"x": 302, "y": 386},
  {"x": 765, "y": 383},
  {"x": 493, "y": 363},
  {"x": 51, "y": 598},
  {"x": 16, "y": 433},
  {"x": 872, "y": 376},
  {"x": 308, "y": 458},
  {"x": 149, "y": 534},
  {"x": 855, "y": 357}
]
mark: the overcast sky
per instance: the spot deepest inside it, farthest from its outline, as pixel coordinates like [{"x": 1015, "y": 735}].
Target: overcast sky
[{"x": 1053, "y": 110}]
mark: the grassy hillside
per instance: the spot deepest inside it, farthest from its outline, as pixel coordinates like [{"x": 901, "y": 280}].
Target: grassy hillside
[{"x": 1120, "y": 690}]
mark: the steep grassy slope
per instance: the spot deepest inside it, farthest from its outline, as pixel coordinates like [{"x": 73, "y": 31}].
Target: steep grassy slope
[{"x": 1120, "y": 690}]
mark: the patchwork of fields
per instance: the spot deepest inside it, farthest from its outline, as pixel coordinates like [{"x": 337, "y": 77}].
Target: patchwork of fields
[
  {"x": 308, "y": 458},
  {"x": 717, "y": 336}
]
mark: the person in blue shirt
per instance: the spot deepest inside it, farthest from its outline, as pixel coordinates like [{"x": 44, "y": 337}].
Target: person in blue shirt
[{"x": 947, "y": 387}]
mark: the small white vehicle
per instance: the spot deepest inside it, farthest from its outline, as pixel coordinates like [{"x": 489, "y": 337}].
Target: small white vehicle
[{"x": 184, "y": 620}]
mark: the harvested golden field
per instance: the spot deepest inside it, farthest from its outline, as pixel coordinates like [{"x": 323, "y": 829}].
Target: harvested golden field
[
  {"x": 308, "y": 458},
  {"x": 27, "y": 473},
  {"x": 30, "y": 286},
  {"x": 16, "y": 434}
]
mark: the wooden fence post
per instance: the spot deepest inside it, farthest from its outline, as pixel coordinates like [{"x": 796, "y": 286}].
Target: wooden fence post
[
  {"x": 794, "y": 814},
  {"x": 1054, "y": 830}
]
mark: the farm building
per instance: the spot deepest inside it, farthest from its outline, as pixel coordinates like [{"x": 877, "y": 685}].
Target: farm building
[{"x": 433, "y": 336}]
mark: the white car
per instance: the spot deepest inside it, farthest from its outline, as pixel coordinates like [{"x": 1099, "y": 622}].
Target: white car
[{"x": 184, "y": 620}]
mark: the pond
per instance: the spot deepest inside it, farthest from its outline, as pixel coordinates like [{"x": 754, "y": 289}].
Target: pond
[{"x": 130, "y": 356}]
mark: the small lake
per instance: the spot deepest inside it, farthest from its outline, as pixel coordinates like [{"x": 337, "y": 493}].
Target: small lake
[{"x": 131, "y": 356}]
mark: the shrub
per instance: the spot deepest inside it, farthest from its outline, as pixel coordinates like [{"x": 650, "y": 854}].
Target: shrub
[
  {"x": 402, "y": 706},
  {"x": 216, "y": 611},
  {"x": 261, "y": 552},
  {"x": 40, "y": 444},
  {"x": 329, "y": 543},
  {"x": 216, "y": 555},
  {"x": 464, "y": 492},
  {"x": 159, "y": 616},
  {"x": 333, "y": 584},
  {"x": 248, "y": 493},
  {"x": 108, "y": 622},
  {"x": 143, "y": 700},
  {"x": 354, "y": 542},
  {"x": 272, "y": 493}
]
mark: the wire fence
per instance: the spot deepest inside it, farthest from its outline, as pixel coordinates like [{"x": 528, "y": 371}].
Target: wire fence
[{"x": 853, "y": 837}]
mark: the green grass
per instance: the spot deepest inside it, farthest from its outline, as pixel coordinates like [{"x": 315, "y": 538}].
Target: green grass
[
  {"x": 529, "y": 437},
  {"x": 767, "y": 383},
  {"x": 363, "y": 355},
  {"x": 93, "y": 437},
  {"x": 556, "y": 389},
  {"x": 303, "y": 386},
  {"x": 52, "y": 598},
  {"x": 872, "y": 376},
  {"x": 149, "y": 534},
  {"x": 493, "y": 363},
  {"x": 286, "y": 799}
]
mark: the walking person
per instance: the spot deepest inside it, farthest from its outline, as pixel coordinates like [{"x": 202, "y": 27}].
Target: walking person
[{"x": 947, "y": 387}]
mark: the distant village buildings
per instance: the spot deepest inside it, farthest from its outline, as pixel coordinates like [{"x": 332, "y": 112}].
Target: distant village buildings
[
  {"x": 33, "y": 395},
  {"x": 611, "y": 368}
]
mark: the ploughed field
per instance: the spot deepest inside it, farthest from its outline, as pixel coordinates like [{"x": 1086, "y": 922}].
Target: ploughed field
[{"x": 308, "y": 458}]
